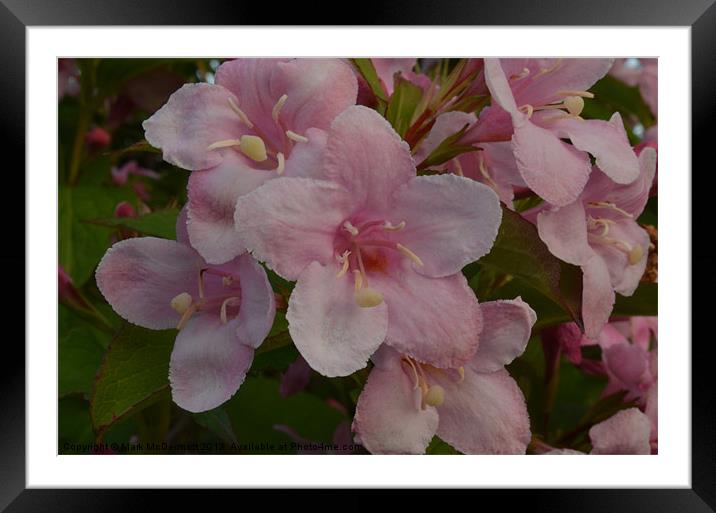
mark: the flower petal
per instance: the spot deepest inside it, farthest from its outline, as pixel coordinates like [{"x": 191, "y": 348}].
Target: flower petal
[
  {"x": 334, "y": 335},
  {"x": 597, "y": 296},
  {"x": 435, "y": 320},
  {"x": 506, "y": 329},
  {"x": 181, "y": 228},
  {"x": 625, "y": 276},
  {"x": 258, "y": 304},
  {"x": 627, "y": 432},
  {"x": 627, "y": 363},
  {"x": 388, "y": 417},
  {"x": 450, "y": 221},
  {"x": 445, "y": 125},
  {"x": 140, "y": 276},
  {"x": 386, "y": 68},
  {"x": 500, "y": 89},
  {"x": 367, "y": 157},
  {"x": 291, "y": 222},
  {"x": 194, "y": 117},
  {"x": 553, "y": 169},
  {"x": 484, "y": 414},
  {"x": 208, "y": 363},
  {"x": 564, "y": 230},
  {"x": 606, "y": 140},
  {"x": 212, "y": 202},
  {"x": 561, "y": 75}
]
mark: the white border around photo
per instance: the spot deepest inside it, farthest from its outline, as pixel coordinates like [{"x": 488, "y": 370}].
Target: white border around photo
[{"x": 670, "y": 468}]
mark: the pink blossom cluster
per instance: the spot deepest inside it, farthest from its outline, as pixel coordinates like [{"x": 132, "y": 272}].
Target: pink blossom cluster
[{"x": 293, "y": 170}]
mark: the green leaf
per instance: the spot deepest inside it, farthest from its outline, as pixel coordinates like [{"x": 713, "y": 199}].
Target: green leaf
[
  {"x": 519, "y": 253},
  {"x": 79, "y": 356},
  {"x": 439, "y": 446},
  {"x": 257, "y": 407},
  {"x": 403, "y": 102},
  {"x": 613, "y": 95},
  {"x": 135, "y": 371},
  {"x": 448, "y": 149},
  {"x": 81, "y": 245},
  {"x": 218, "y": 422},
  {"x": 367, "y": 70},
  {"x": 113, "y": 73},
  {"x": 73, "y": 426},
  {"x": 161, "y": 223},
  {"x": 644, "y": 302}
]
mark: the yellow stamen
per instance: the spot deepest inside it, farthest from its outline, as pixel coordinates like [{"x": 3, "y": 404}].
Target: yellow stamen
[
  {"x": 227, "y": 302},
  {"x": 611, "y": 206},
  {"x": 527, "y": 109},
  {"x": 226, "y": 143},
  {"x": 296, "y": 137},
  {"x": 187, "y": 315},
  {"x": 461, "y": 371},
  {"x": 435, "y": 396},
  {"x": 635, "y": 254},
  {"x": 277, "y": 108},
  {"x": 348, "y": 226},
  {"x": 181, "y": 302},
  {"x": 394, "y": 228},
  {"x": 367, "y": 297},
  {"x": 519, "y": 76},
  {"x": 242, "y": 115},
  {"x": 408, "y": 253},
  {"x": 253, "y": 147},
  {"x": 574, "y": 104}
]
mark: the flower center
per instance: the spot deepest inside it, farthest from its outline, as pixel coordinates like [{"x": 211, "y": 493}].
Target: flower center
[
  {"x": 360, "y": 250},
  {"x": 255, "y": 146},
  {"x": 219, "y": 291},
  {"x": 599, "y": 228},
  {"x": 423, "y": 376}
]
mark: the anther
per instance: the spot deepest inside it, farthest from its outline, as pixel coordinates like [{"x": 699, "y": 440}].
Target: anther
[
  {"x": 348, "y": 226},
  {"x": 277, "y": 107},
  {"x": 281, "y": 167},
  {"x": 408, "y": 253},
  {"x": 461, "y": 371},
  {"x": 344, "y": 260},
  {"x": 635, "y": 254},
  {"x": 242, "y": 115},
  {"x": 574, "y": 104},
  {"x": 394, "y": 228},
  {"x": 296, "y": 137},
  {"x": 527, "y": 109},
  {"x": 226, "y": 281},
  {"x": 435, "y": 396},
  {"x": 181, "y": 302},
  {"x": 519, "y": 76},
  {"x": 253, "y": 147},
  {"x": 367, "y": 297}
]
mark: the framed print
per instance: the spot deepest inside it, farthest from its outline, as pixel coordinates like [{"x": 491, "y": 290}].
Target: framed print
[{"x": 425, "y": 254}]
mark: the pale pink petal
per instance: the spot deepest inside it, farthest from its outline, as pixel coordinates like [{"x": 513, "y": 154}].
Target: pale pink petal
[
  {"x": 500, "y": 89},
  {"x": 597, "y": 296},
  {"x": 484, "y": 414},
  {"x": 291, "y": 222},
  {"x": 605, "y": 140},
  {"x": 140, "y": 276},
  {"x": 194, "y": 117},
  {"x": 208, "y": 363},
  {"x": 367, "y": 157},
  {"x": 506, "y": 329},
  {"x": 258, "y": 303},
  {"x": 434, "y": 320},
  {"x": 388, "y": 417},
  {"x": 501, "y": 163},
  {"x": 387, "y": 67},
  {"x": 642, "y": 329},
  {"x": 450, "y": 221},
  {"x": 627, "y": 432},
  {"x": 551, "y": 76},
  {"x": 628, "y": 363},
  {"x": 445, "y": 125},
  {"x": 652, "y": 409},
  {"x": 333, "y": 333},
  {"x": 212, "y": 202},
  {"x": 564, "y": 230},
  {"x": 611, "y": 336},
  {"x": 564, "y": 452},
  {"x": 632, "y": 197},
  {"x": 306, "y": 158},
  {"x": 553, "y": 169},
  {"x": 625, "y": 276},
  {"x": 317, "y": 90}
]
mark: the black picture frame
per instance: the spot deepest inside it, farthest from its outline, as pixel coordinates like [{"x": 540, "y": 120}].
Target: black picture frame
[{"x": 700, "y": 15}]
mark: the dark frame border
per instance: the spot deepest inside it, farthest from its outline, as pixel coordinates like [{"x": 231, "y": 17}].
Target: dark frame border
[{"x": 700, "y": 15}]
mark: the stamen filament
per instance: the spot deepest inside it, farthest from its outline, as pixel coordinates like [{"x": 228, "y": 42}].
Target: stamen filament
[
  {"x": 458, "y": 167},
  {"x": 348, "y": 226},
  {"x": 408, "y": 253},
  {"x": 281, "y": 163},
  {"x": 611, "y": 206},
  {"x": 226, "y": 143},
  {"x": 227, "y": 302},
  {"x": 388, "y": 226},
  {"x": 569, "y": 92},
  {"x": 277, "y": 107},
  {"x": 296, "y": 137},
  {"x": 242, "y": 115},
  {"x": 346, "y": 263}
]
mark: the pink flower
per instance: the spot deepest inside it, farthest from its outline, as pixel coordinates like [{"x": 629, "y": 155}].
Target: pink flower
[
  {"x": 97, "y": 138},
  {"x": 537, "y": 102},
  {"x": 477, "y": 408},
  {"x": 386, "y": 68},
  {"x": 376, "y": 252},
  {"x": 296, "y": 378},
  {"x": 120, "y": 174},
  {"x": 67, "y": 78},
  {"x": 625, "y": 432},
  {"x": 263, "y": 118},
  {"x": 599, "y": 232},
  {"x": 223, "y": 312}
]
